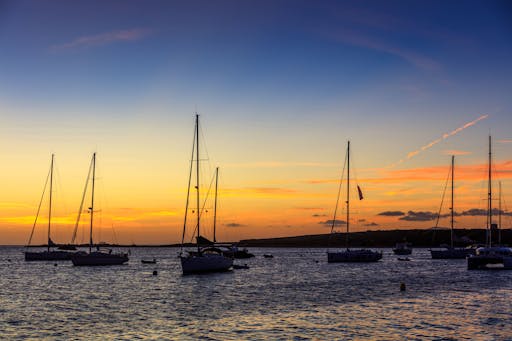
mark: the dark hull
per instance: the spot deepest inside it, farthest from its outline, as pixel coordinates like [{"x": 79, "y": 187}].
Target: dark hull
[
  {"x": 489, "y": 263},
  {"x": 98, "y": 259},
  {"x": 402, "y": 252},
  {"x": 48, "y": 256},
  {"x": 451, "y": 253}
]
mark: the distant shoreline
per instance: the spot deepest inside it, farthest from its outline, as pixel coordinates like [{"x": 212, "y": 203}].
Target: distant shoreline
[{"x": 384, "y": 238}]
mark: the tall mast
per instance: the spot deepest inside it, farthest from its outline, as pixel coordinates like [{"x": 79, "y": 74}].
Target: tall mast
[
  {"x": 92, "y": 199},
  {"x": 451, "y": 208},
  {"x": 489, "y": 199},
  {"x": 348, "y": 191},
  {"x": 50, "y": 205},
  {"x": 215, "y": 206},
  {"x": 499, "y": 217},
  {"x": 197, "y": 180}
]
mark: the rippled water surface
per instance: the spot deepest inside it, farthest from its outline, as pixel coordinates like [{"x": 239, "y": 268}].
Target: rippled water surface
[{"x": 295, "y": 295}]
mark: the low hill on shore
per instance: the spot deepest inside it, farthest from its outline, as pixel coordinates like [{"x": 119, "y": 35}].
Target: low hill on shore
[{"x": 384, "y": 238}]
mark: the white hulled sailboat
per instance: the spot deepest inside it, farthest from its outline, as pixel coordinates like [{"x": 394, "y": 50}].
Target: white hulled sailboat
[
  {"x": 490, "y": 257},
  {"x": 205, "y": 258},
  {"x": 350, "y": 255},
  {"x": 98, "y": 257},
  {"x": 450, "y": 251}
]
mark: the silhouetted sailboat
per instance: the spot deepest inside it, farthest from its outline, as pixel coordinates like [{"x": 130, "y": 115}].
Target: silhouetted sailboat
[
  {"x": 48, "y": 254},
  {"x": 98, "y": 257},
  {"x": 402, "y": 249},
  {"x": 207, "y": 258},
  {"x": 490, "y": 257},
  {"x": 350, "y": 255},
  {"x": 450, "y": 251}
]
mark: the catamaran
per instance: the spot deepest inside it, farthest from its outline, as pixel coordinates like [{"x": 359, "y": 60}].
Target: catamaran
[
  {"x": 206, "y": 257},
  {"x": 98, "y": 257},
  {"x": 48, "y": 254},
  {"x": 450, "y": 251},
  {"x": 350, "y": 255},
  {"x": 491, "y": 256}
]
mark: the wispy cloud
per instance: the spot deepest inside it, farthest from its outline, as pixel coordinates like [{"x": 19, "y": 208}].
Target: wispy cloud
[
  {"x": 278, "y": 164},
  {"x": 336, "y": 222},
  {"x": 505, "y": 141},
  {"x": 371, "y": 224},
  {"x": 235, "y": 225},
  {"x": 419, "y": 216},
  {"x": 102, "y": 39},
  {"x": 455, "y": 152},
  {"x": 443, "y": 137},
  {"x": 387, "y": 176},
  {"x": 266, "y": 192},
  {"x": 361, "y": 40},
  {"x": 392, "y": 213}
]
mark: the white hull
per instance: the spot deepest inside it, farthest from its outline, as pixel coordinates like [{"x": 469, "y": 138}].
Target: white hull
[
  {"x": 98, "y": 258},
  {"x": 354, "y": 256},
  {"x": 205, "y": 263}
]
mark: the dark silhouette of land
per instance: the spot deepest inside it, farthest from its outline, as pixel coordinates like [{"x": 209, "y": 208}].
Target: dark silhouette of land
[{"x": 383, "y": 238}]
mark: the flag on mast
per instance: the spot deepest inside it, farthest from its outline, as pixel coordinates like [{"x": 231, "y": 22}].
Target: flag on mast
[{"x": 360, "y": 193}]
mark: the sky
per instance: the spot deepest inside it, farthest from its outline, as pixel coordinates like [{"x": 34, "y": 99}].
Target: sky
[{"x": 280, "y": 87}]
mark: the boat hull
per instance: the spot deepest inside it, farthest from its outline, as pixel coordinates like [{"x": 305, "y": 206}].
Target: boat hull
[
  {"x": 201, "y": 263},
  {"x": 354, "y": 256},
  {"x": 48, "y": 256},
  {"x": 402, "y": 252},
  {"x": 489, "y": 263},
  {"x": 491, "y": 258},
  {"x": 451, "y": 253},
  {"x": 98, "y": 259}
]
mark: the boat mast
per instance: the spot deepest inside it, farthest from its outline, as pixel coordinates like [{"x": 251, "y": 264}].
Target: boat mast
[
  {"x": 489, "y": 199},
  {"x": 451, "y": 208},
  {"x": 215, "y": 206},
  {"x": 197, "y": 181},
  {"x": 92, "y": 199},
  {"x": 50, "y": 204},
  {"x": 499, "y": 216},
  {"x": 348, "y": 191}
]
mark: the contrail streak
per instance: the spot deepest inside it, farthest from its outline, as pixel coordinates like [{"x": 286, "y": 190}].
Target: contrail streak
[{"x": 444, "y": 137}]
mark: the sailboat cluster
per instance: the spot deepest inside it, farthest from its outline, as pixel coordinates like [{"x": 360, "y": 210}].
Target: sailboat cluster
[
  {"x": 210, "y": 256},
  {"x": 69, "y": 252}
]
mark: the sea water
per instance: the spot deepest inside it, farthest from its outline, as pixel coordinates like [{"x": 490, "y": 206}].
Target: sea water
[{"x": 296, "y": 295}]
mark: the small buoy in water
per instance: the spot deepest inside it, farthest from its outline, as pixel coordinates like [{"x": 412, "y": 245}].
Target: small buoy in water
[
  {"x": 316, "y": 261},
  {"x": 155, "y": 273},
  {"x": 9, "y": 260},
  {"x": 54, "y": 264},
  {"x": 402, "y": 286}
]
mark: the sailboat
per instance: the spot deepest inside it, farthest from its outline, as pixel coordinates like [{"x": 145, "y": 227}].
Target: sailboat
[
  {"x": 206, "y": 257},
  {"x": 48, "y": 254},
  {"x": 350, "y": 255},
  {"x": 98, "y": 257},
  {"x": 490, "y": 257},
  {"x": 449, "y": 251}
]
